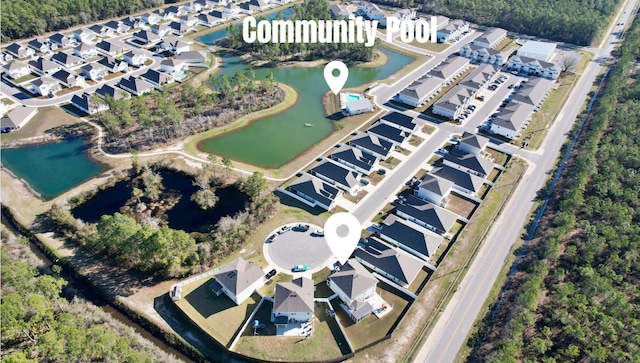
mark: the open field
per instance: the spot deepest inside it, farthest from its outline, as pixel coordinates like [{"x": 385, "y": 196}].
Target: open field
[{"x": 46, "y": 118}]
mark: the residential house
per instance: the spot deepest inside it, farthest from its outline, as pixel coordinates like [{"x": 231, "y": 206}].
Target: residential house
[
  {"x": 232, "y": 8},
  {"x": 208, "y": 20},
  {"x": 112, "y": 92},
  {"x": 463, "y": 183},
  {"x": 85, "y": 51},
  {"x": 337, "y": 175},
  {"x": 84, "y": 35},
  {"x": 434, "y": 189},
  {"x": 207, "y": 4},
  {"x": 135, "y": 86},
  {"x": 469, "y": 163},
  {"x": 402, "y": 15},
  {"x": 449, "y": 69},
  {"x": 189, "y": 20},
  {"x": 61, "y": 40},
  {"x": 101, "y": 30},
  {"x": 512, "y": 120},
  {"x": 108, "y": 48},
  {"x": 146, "y": 37},
  {"x": 87, "y": 104},
  {"x": 541, "y": 51},
  {"x": 150, "y": 18},
  {"x": 441, "y": 21},
  {"x": 356, "y": 288},
  {"x": 17, "y": 69},
  {"x": 173, "y": 12},
  {"x": 534, "y": 67},
  {"x": 534, "y": 92},
  {"x": 179, "y": 28},
  {"x": 20, "y": 51},
  {"x": 391, "y": 263},
  {"x": 410, "y": 237},
  {"x": 491, "y": 38},
  {"x": 483, "y": 55},
  {"x": 68, "y": 79},
  {"x": 238, "y": 280},
  {"x": 221, "y": 16},
  {"x": 157, "y": 78},
  {"x": 17, "y": 118},
  {"x": 135, "y": 58},
  {"x": 114, "y": 65},
  {"x": 339, "y": 11},
  {"x": 217, "y": 3},
  {"x": 43, "y": 66},
  {"x": 46, "y": 86},
  {"x": 373, "y": 12},
  {"x": 355, "y": 159},
  {"x": 314, "y": 192},
  {"x": 372, "y": 144},
  {"x": 292, "y": 304},
  {"x": 66, "y": 60},
  {"x": 453, "y": 102},
  {"x": 472, "y": 143},
  {"x": 191, "y": 57},
  {"x": 400, "y": 121},
  {"x": 389, "y": 133},
  {"x": 252, "y": 6},
  {"x": 94, "y": 71},
  {"x": 176, "y": 45},
  {"x": 453, "y": 31},
  {"x": 5, "y": 58},
  {"x": 425, "y": 214},
  {"x": 480, "y": 78},
  {"x": 132, "y": 22},
  {"x": 161, "y": 29},
  {"x": 420, "y": 91},
  {"x": 357, "y": 107},
  {"x": 117, "y": 26},
  {"x": 173, "y": 66},
  {"x": 39, "y": 45}
]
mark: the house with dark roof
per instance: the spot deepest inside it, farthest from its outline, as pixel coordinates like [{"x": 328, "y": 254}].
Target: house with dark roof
[
  {"x": 17, "y": 118},
  {"x": 68, "y": 79},
  {"x": 87, "y": 104},
  {"x": 208, "y": 20},
  {"x": 179, "y": 28},
  {"x": 43, "y": 66},
  {"x": 20, "y": 51},
  {"x": 175, "y": 45},
  {"x": 135, "y": 86},
  {"x": 314, "y": 192},
  {"x": 337, "y": 175},
  {"x": 101, "y": 30},
  {"x": 46, "y": 86},
  {"x": 472, "y": 143},
  {"x": 85, "y": 51},
  {"x": 66, "y": 60},
  {"x": 399, "y": 120},
  {"x": 39, "y": 45},
  {"x": 146, "y": 37},
  {"x": 426, "y": 214},
  {"x": 17, "y": 69},
  {"x": 232, "y": 9},
  {"x": 109, "y": 48},
  {"x": 157, "y": 78},
  {"x": 94, "y": 71},
  {"x": 172, "y": 12},
  {"x": 188, "y": 20},
  {"x": 112, "y": 92},
  {"x": 464, "y": 183},
  {"x": 434, "y": 189},
  {"x": 409, "y": 236},
  {"x": 389, "y": 262},
  {"x": 512, "y": 119},
  {"x": 193, "y": 7},
  {"x": 114, "y": 65},
  {"x": 117, "y": 26},
  {"x": 421, "y": 91},
  {"x": 61, "y": 40},
  {"x": 132, "y": 22},
  {"x": 292, "y": 304},
  {"x": 469, "y": 163},
  {"x": 392, "y": 134},
  {"x": 150, "y": 18},
  {"x": 222, "y": 15},
  {"x": 238, "y": 280},
  {"x": 161, "y": 29},
  {"x": 355, "y": 159},
  {"x": 206, "y": 4},
  {"x": 372, "y": 144},
  {"x": 355, "y": 286},
  {"x": 252, "y": 6},
  {"x": 491, "y": 38}
]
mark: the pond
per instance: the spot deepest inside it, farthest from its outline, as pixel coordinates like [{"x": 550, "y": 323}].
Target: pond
[
  {"x": 276, "y": 140},
  {"x": 184, "y": 215},
  {"x": 52, "y": 169}
]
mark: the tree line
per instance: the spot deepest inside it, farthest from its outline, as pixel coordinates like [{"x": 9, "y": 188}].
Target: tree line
[
  {"x": 576, "y": 22},
  {"x": 576, "y": 297},
  {"x": 308, "y": 10},
  {"x": 40, "y": 325},
  {"x": 27, "y": 18}
]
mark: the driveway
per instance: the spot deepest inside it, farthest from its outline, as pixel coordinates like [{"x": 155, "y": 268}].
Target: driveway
[{"x": 296, "y": 247}]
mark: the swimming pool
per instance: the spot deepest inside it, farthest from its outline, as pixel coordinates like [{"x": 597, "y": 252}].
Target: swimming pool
[{"x": 351, "y": 97}]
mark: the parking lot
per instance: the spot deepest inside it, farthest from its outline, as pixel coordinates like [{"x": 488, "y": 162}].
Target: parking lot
[{"x": 295, "y": 246}]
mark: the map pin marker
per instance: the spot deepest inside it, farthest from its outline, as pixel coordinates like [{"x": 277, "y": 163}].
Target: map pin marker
[
  {"x": 336, "y": 82},
  {"x": 342, "y": 232}
]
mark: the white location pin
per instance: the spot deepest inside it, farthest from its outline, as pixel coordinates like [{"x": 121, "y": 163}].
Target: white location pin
[
  {"x": 342, "y": 232},
  {"x": 336, "y": 82}
]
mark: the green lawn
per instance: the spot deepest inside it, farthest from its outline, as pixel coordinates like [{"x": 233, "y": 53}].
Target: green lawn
[
  {"x": 390, "y": 163},
  {"x": 219, "y": 316}
]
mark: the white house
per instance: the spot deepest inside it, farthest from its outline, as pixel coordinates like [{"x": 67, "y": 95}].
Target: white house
[
  {"x": 84, "y": 35},
  {"x": 453, "y": 31},
  {"x": 469, "y": 163},
  {"x": 534, "y": 67},
  {"x": 94, "y": 71},
  {"x": 420, "y": 91},
  {"x": 44, "y": 66},
  {"x": 150, "y": 18},
  {"x": 87, "y": 104},
  {"x": 17, "y": 118},
  {"x": 172, "y": 66},
  {"x": 232, "y": 8},
  {"x": 85, "y": 51},
  {"x": 135, "y": 86},
  {"x": 39, "y": 45},
  {"x": 292, "y": 304},
  {"x": 453, "y": 102},
  {"x": 17, "y": 69},
  {"x": 356, "y": 288},
  {"x": 146, "y": 37},
  {"x": 46, "y": 86},
  {"x": 512, "y": 120},
  {"x": 450, "y": 69},
  {"x": 161, "y": 29},
  {"x": 135, "y": 58},
  {"x": 108, "y": 48},
  {"x": 355, "y": 159},
  {"x": 482, "y": 54},
  {"x": 156, "y": 78},
  {"x": 371, "y": 144},
  {"x": 472, "y": 143},
  {"x": 68, "y": 79},
  {"x": 480, "y": 78},
  {"x": 400, "y": 121},
  {"x": 427, "y": 215},
  {"x": 114, "y": 65},
  {"x": 20, "y": 51},
  {"x": 357, "y": 107},
  {"x": 434, "y": 189},
  {"x": 238, "y": 280},
  {"x": 66, "y": 60},
  {"x": 463, "y": 183}
]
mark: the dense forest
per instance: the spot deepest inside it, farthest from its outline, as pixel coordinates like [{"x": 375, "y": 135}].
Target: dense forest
[
  {"x": 576, "y": 22},
  {"x": 308, "y": 10},
  {"x": 577, "y": 295},
  {"x": 27, "y": 18},
  {"x": 40, "y": 325}
]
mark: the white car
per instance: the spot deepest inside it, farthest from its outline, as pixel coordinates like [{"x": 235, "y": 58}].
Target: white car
[{"x": 318, "y": 232}]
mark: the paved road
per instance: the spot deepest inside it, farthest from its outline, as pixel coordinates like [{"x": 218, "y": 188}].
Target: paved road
[{"x": 451, "y": 330}]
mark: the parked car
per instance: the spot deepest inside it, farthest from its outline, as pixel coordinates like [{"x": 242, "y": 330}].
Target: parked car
[
  {"x": 364, "y": 181},
  {"x": 454, "y": 140},
  {"x": 272, "y": 238},
  {"x": 382, "y": 171},
  {"x": 299, "y": 268},
  {"x": 318, "y": 232},
  {"x": 472, "y": 107},
  {"x": 271, "y": 273},
  {"x": 302, "y": 227},
  {"x": 284, "y": 229}
]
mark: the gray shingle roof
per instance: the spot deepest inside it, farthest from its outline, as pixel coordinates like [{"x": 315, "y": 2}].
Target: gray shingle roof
[
  {"x": 513, "y": 116},
  {"x": 423, "y": 87},
  {"x": 353, "y": 279},
  {"x": 449, "y": 67},
  {"x": 435, "y": 184},
  {"x": 460, "y": 178},
  {"x": 335, "y": 172},
  {"x": 411, "y": 235},
  {"x": 534, "y": 91},
  {"x": 315, "y": 188},
  {"x": 395, "y": 263},
  {"x": 372, "y": 143},
  {"x": 390, "y": 132},
  {"x": 474, "y": 140},
  {"x": 399, "y": 119},
  {"x": 354, "y": 156},
  {"x": 470, "y": 161},
  {"x": 294, "y": 297},
  {"x": 239, "y": 275},
  {"x": 430, "y": 214}
]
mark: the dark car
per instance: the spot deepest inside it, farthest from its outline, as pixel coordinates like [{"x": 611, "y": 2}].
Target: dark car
[
  {"x": 271, "y": 273},
  {"x": 302, "y": 227}
]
